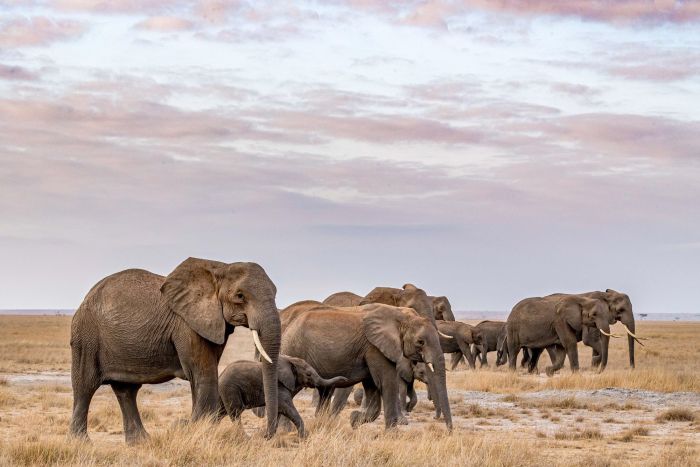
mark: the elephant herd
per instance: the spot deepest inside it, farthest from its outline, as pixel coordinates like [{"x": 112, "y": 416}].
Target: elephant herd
[{"x": 136, "y": 327}]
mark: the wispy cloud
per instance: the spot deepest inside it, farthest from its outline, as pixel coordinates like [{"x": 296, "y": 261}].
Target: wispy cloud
[{"x": 37, "y": 31}]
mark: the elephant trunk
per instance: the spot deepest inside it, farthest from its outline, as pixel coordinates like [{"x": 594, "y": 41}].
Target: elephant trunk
[
  {"x": 322, "y": 382},
  {"x": 267, "y": 325},
  {"x": 629, "y": 322},
  {"x": 440, "y": 387}
]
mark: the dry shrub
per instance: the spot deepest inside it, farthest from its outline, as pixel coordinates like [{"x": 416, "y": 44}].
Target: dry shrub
[
  {"x": 630, "y": 434},
  {"x": 677, "y": 414},
  {"x": 587, "y": 433},
  {"x": 678, "y": 455}
]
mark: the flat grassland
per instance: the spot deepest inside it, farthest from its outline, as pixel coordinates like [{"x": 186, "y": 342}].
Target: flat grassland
[{"x": 646, "y": 416}]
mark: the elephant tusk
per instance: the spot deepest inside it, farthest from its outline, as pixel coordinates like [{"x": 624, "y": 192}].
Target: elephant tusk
[
  {"x": 630, "y": 333},
  {"x": 430, "y": 365},
  {"x": 607, "y": 334},
  {"x": 445, "y": 335},
  {"x": 259, "y": 346}
]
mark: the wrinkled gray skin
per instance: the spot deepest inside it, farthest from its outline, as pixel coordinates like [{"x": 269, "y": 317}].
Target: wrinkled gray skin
[
  {"x": 343, "y": 299},
  {"x": 620, "y": 309},
  {"x": 364, "y": 344},
  {"x": 241, "y": 387},
  {"x": 493, "y": 339},
  {"x": 408, "y": 296},
  {"x": 135, "y": 327},
  {"x": 541, "y": 322},
  {"x": 463, "y": 337}
]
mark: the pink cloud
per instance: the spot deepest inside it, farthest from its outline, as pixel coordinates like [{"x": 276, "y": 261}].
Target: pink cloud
[
  {"x": 165, "y": 24},
  {"x": 16, "y": 73},
  {"x": 115, "y": 6},
  {"x": 38, "y": 31}
]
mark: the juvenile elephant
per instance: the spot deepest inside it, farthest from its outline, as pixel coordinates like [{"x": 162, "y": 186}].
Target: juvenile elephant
[
  {"x": 343, "y": 299},
  {"x": 135, "y": 327},
  {"x": 462, "y": 337},
  {"x": 541, "y": 322},
  {"x": 493, "y": 335},
  {"x": 241, "y": 387},
  {"x": 364, "y": 344}
]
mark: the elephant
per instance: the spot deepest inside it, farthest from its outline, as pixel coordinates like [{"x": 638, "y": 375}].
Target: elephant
[
  {"x": 343, "y": 299},
  {"x": 493, "y": 339},
  {"x": 241, "y": 387},
  {"x": 409, "y": 296},
  {"x": 136, "y": 327},
  {"x": 365, "y": 344},
  {"x": 620, "y": 309},
  {"x": 462, "y": 337},
  {"x": 542, "y": 322},
  {"x": 442, "y": 309}
]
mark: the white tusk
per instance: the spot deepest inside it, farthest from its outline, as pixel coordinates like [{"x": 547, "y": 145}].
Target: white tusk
[
  {"x": 259, "y": 346},
  {"x": 630, "y": 333},
  {"x": 430, "y": 365},
  {"x": 606, "y": 334},
  {"x": 445, "y": 335}
]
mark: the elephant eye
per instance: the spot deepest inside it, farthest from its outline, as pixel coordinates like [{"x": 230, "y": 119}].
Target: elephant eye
[
  {"x": 421, "y": 342},
  {"x": 238, "y": 297}
]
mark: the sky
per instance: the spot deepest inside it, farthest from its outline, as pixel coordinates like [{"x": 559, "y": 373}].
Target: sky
[{"x": 483, "y": 150}]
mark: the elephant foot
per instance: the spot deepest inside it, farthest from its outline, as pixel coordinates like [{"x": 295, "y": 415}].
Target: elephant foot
[
  {"x": 356, "y": 418},
  {"x": 136, "y": 437},
  {"x": 549, "y": 371},
  {"x": 402, "y": 420}
]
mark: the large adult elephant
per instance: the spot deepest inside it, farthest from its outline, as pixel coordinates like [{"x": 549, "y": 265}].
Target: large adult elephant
[
  {"x": 541, "y": 322},
  {"x": 135, "y": 327},
  {"x": 364, "y": 345},
  {"x": 442, "y": 309},
  {"x": 343, "y": 299},
  {"x": 493, "y": 334},
  {"x": 409, "y": 296}
]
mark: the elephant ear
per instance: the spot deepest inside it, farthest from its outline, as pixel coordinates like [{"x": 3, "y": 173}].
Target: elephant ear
[
  {"x": 382, "y": 328},
  {"x": 191, "y": 292},
  {"x": 569, "y": 309},
  {"x": 286, "y": 373}
]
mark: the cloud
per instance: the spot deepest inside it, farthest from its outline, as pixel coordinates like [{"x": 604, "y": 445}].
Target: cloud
[
  {"x": 38, "y": 31},
  {"x": 16, "y": 73},
  {"x": 165, "y": 24}
]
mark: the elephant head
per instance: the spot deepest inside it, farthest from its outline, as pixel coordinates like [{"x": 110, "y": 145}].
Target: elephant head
[
  {"x": 213, "y": 297},
  {"x": 579, "y": 311},
  {"x": 296, "y": 373},
  {"x": 401, "y": 333},
  {"x": 409, "y": 296},
  {"x": 442, "y": 309},
  {"x": 620, "y": 308}
]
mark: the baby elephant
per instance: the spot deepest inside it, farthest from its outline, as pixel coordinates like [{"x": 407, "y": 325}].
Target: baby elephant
[{"x": 241, "y": 387}]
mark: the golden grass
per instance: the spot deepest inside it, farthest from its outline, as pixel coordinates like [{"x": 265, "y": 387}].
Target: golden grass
[
  {"x": 34, "y": 418},
  {"x": 677, "y": 414}
]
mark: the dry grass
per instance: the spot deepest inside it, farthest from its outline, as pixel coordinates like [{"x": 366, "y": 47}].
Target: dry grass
[
  {"x": 34, "y": 418},
  {"x": 677, "y": 414}
]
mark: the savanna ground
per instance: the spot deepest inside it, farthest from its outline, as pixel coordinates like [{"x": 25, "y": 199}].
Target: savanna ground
[{"x": 646, "y": 416}]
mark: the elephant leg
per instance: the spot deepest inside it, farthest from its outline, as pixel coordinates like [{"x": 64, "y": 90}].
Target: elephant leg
[
  {"x": 466, "y": 351},
  {"x": 324, "y": 401},
  {"x": 592, "y": 340},
  {"x": 372, "y": 405},
  {"x": 513, "y": 349},
  {"x": 358, "y": 395},
  {"x": 553, "y": 353},
  {"x": 559, "y": 359},
  {"x": 526, "y": 357},
  {"x": 85, "y": 381},
  {"x": 534, "y": 358},
  {"x": 286, "y": 408},
  {"x": 315, "y": 398},
  {"x": 126, "y": 395},
  {"x": 455, "y": 359},
  {"x": 412, "y": 398},
  {"x": 340, "y": 400}
]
